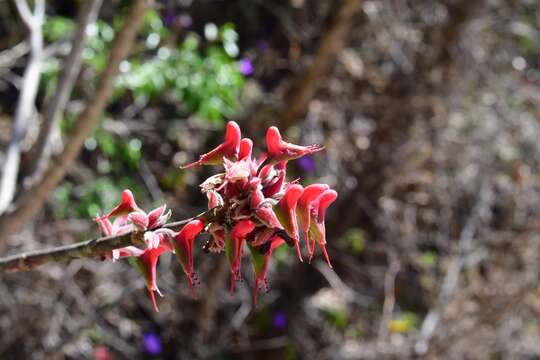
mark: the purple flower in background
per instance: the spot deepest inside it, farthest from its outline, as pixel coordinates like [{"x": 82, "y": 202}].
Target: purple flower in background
[
  {"x": 307, "y": 164},
  {"x": 152, "y": 343},
  {"x": 245, "y": 66},
  {"x": 168, "y": 19},
  {"x": 262, "y": 46},
  {"x": 279, "y": 320},
  {"x": 185, "y": 21}
]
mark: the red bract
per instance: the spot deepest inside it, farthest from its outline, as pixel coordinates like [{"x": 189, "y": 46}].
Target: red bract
[
  {"x": 286, "y": 211},
  {"x": 305, "y": 203},
  {"x": 183, "y": 246},
  {"x": 234, "y": 244},
  {"x": 317, "y": 230},
  {"x": 227, "y": 149},
  {"x": 147, "y": 263},
  {"x": 127, "y": 205},
  {"x": 279, "y": 150},
  {"x": 250, "y": 203}
]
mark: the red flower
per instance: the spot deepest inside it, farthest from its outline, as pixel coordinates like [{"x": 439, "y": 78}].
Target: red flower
[
  {"x": 275, "y": 184},
  {"x": 286, "y": 212},
  {"x": 234, "y": 243},
  {"x": 261, "y": 207},
  {"x": 303, "y": 213},
  {"x": 251, "y": 204},
  {"x": 261, "y": 263},
  {"x": 246, "y": 147},
  {"x": 317, "y": 230},
  {"x": 147, "y": 263},
  {"x": 227, "y": 149},
  {"x": 127, "y": 205},
  {"x": 129, "y": 217},
  {"x": 279, "y": 150},
  {"x": 183, "y": 246}
]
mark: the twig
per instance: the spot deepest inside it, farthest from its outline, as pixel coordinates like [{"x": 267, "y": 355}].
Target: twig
[
  {"x": 336, "y": 283},
  {"x": 9, "y": 57},
  {"x": 25, "y": 105},
  {"x": 331, "y": 44},
  {"x": 451, "y": 279},
  {"x": 32, "y": 200},
  {"x": 390, "y": 294},
  {"x": 70, "y": 69},
  {"x": 93, "y": 248}
]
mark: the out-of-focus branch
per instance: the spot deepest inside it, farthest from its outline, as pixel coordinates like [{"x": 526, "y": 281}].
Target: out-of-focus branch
[
  {"x": 94, "y": 248},
  {"x": 70, "y": 69},
  {"x": 25, "y": 106},
  {"x": 32, "y": 200},
  {"x": 331, "y": 44},
  {"x": 451, "y": 279},
  {"x": 9, "y": 57}
]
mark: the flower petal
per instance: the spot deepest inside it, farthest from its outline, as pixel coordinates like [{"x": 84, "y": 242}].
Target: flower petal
[
  {"x": 183, "y": 246},
  {"x": 126, "y": 206},
  {"x": 233, "y": 246},
  {"x": 227, "y": 149}
]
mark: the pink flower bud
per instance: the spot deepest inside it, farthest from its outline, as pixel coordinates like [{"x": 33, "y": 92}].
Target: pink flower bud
[{"x": 139, "y": 219}]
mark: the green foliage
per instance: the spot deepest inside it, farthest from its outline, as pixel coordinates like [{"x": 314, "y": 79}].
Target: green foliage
[
  {"x": 204, "y": 78},
  {"x": 354, "y": 240},
  {"x": 92, "y": 197},
  {"x": 337, "y": 317},
  {"x": 57, "y": 28},
  {"x": 404, "y": 323},
  {"x": 428, "y": 259}
]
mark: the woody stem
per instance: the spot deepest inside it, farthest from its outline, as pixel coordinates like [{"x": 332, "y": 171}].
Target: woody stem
[{"x": 94, "y": 248}]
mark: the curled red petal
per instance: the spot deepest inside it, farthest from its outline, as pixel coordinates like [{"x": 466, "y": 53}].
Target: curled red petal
[
  {"x": 276, "y": 185},
  {"x": 139, "y": 219},
  {"x": 317, "y": 229},
  {"x": 287, "y": 214},
  {"x": 105, "y": 225},
  {"x": 183, "y": 246},
  {"x": 273, "y": 141},
  {"x": 156, "y": 217},
  {"x": 303, "y": 211},
  {"x": 235, "y": 245},
  {"x": 227, "y": 149},
  {"x": 279, "y": 150},
  {"x": 246, "y": 148},
  {"x": 327, "y": 198},
  {"x": 214, "y": 199},
  {"x": 126, "y": 206},
  {"x": 147, "y": 262}
]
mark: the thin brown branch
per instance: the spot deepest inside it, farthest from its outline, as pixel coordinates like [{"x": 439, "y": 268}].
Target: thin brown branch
[
  {"x": 94, "y": 248},
  {"x": 331, "y": 44},
  {"x": 32, "y": 200},
  {"x": 70, "y": 69}
]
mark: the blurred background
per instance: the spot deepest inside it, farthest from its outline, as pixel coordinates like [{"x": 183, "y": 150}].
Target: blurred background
[{"x": 429, "y": 112}]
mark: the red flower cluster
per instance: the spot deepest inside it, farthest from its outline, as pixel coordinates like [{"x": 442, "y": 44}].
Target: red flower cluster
[{"x": 251, "y": 204}]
